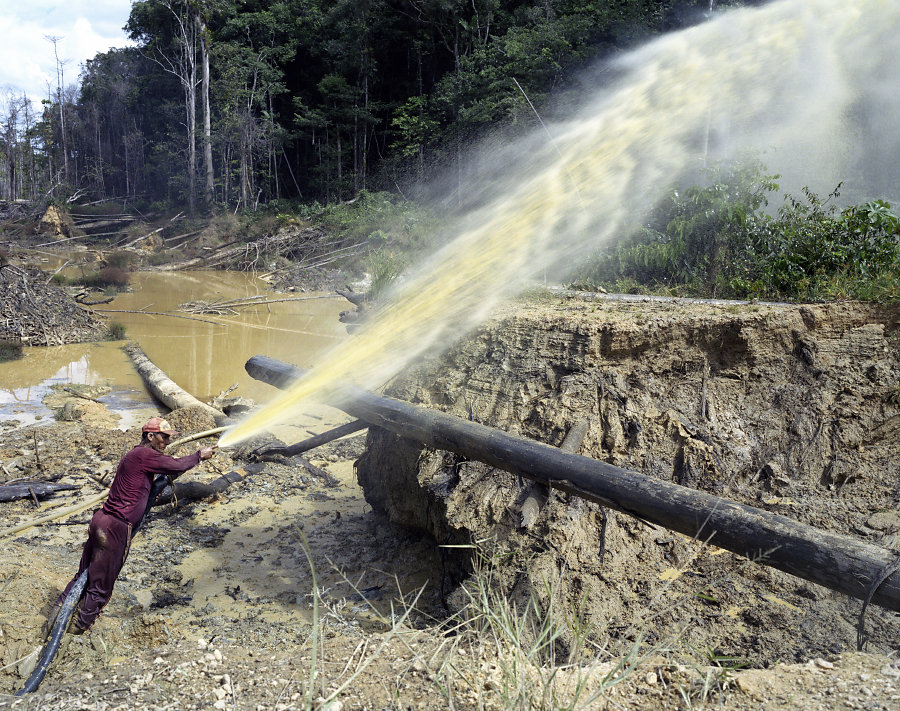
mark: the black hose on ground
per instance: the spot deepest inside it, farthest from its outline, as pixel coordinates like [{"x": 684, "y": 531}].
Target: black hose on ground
[
  {"x": 70, "y": 603},
  {"x": 56, "y": 635}
]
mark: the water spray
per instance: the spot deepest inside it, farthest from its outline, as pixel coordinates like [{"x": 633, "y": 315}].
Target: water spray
[{"x": 786, "y": 75}]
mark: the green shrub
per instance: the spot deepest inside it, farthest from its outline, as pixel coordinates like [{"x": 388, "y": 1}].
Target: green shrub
[
  {"x": 810, "y": 250},
  {"x": 107, "y": 278},
  {"x": 10, "y": 350},
  {"x": 115, "y": 331},
  {"x": 112, "y": 276},
  {"x": 385, "y": 268},
  {"x": 716, "y": 240},
  {"x": 120, "y": 259}
]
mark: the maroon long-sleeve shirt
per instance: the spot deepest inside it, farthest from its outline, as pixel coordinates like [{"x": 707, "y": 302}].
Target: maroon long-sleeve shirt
[{"x": 131, "y": 487}]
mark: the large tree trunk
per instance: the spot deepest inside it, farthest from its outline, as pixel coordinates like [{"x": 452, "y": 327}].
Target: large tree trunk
[
  {"x": 835, "y": 561},
  {"x": 164, "y": 388}
]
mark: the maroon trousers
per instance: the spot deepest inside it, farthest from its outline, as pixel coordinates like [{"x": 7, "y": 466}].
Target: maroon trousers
[{"x": 103, "y": 556}]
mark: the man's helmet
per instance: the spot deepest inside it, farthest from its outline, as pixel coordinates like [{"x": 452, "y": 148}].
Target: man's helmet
[{"x": 158, "y": 424}]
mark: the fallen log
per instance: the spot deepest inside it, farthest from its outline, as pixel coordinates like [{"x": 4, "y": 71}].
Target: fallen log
[
  {"x": 195, "y": 490},
  {"x": 26, "y": 489},
  {"x": 164, "y": 388},
  {"x": 835, "y": 561}
]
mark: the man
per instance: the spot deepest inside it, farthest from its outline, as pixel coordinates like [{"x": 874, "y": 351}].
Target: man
[{"x": 109, "y": 534}]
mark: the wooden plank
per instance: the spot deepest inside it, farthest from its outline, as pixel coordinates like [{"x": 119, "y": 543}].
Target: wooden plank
[{"x": 835, "y": 561}]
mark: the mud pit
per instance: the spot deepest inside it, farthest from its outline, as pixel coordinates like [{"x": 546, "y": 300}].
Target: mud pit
[{"x": 214, "y": 604}]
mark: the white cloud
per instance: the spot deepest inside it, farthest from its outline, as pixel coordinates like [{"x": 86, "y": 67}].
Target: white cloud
[{"x": 85, "y": 27}]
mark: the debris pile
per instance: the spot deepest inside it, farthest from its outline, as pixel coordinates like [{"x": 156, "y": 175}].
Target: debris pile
[{"x": 35, "y": 313}]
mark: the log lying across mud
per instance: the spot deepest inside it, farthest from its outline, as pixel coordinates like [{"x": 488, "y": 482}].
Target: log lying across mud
[
  {"x": 835, "y": 561},
  {"x": 164, "y": 389}
]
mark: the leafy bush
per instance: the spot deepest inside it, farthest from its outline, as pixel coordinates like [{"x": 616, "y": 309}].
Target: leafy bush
[
  {"x": 716, "y": 240},
  {"x": 812, "y": 251},
  {"x": 404, "y": 223},
  {"x": 691, "y": 235}
]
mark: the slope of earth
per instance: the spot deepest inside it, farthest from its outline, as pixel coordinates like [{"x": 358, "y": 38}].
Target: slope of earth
[{"x": 792, "y": 409}]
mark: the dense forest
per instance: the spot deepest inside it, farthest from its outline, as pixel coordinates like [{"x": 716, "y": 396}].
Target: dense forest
[{"x": 249, "y": 102}]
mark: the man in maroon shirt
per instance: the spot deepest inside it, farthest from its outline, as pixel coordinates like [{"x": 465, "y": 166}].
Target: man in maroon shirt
[{"x": 109, "y": 534}]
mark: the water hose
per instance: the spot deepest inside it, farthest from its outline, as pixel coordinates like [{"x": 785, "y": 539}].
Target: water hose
[
  {"x": 70, "y": 602},
  {"x": 56, "y": 634}
]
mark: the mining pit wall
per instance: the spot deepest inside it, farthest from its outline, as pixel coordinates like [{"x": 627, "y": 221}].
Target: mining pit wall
[{"x": 793, "y": 409}]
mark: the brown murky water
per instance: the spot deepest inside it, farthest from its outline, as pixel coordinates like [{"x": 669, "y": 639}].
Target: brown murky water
[{"x": 204, "y": 354}]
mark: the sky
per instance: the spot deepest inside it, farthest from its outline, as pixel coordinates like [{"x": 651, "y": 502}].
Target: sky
[{"x": 86, "y": 27}]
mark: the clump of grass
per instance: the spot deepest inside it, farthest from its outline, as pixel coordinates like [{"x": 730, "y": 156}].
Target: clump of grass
[
  {"x": 10, "y": 350},
  {"x": 115, "y": 332},
  {"x": 120, "y": 259},
  {"x": 496, "y": 653},
  {"x": 385, "y": 267},
  {"x": 113, "y": 279}
]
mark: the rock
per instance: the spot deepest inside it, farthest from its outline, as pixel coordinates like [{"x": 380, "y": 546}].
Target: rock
[{"x": 887, "y": 521}]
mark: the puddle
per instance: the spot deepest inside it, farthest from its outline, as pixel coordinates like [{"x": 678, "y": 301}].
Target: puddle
[{"x": 204, "y": 354}]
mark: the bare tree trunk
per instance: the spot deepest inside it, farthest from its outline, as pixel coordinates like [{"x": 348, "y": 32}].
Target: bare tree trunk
[
  {"x": 207, "y": 119},
  {"x": 59, "y": 100},
  {"x": 190, "y": 98}
]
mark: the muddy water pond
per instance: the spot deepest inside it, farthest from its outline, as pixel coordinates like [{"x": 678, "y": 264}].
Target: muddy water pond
[{"x": 204, "y": 354}]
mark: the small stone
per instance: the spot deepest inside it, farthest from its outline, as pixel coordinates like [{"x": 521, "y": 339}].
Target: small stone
[
  {"x": 220, "y": 704},
  {"x": 217, "y": 655},
  {"x": 650, "y": 678},
  {"x": 202, "y": 643},
  {"x": 159, "y": 660},
  {"x": 824, "y": 664},
  {"x": 220, "y": 692},
  {"x": 334, "y": 706},
  {"x": 884, "y": 521}
]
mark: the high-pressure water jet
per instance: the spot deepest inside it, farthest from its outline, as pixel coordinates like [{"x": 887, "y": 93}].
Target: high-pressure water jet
[{"x": 785, "y": 76}]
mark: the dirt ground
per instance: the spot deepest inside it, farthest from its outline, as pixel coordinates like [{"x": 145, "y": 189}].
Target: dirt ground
[{"x": 288, "y": 591}]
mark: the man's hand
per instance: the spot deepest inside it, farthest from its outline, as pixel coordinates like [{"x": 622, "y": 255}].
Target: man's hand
[{"x": 207, "y": 452}]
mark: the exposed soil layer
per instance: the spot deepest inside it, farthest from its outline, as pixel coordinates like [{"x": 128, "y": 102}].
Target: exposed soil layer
[
  {"x": 792, "y": 409},
  {"x": 217, "y": 606},
  {"x": 35, "y": 313}
]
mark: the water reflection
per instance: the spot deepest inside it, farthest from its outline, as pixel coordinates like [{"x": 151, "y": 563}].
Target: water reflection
[{"x": 204, "y": 354}]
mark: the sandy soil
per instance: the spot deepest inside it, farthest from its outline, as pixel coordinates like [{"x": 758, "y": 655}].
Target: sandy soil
[{"x": 289, "y": 592}]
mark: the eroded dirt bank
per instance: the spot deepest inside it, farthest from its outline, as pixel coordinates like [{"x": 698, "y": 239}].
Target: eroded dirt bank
[
  {"x": 215, "y": 605},
  {"x": 795, "y": 410}
]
